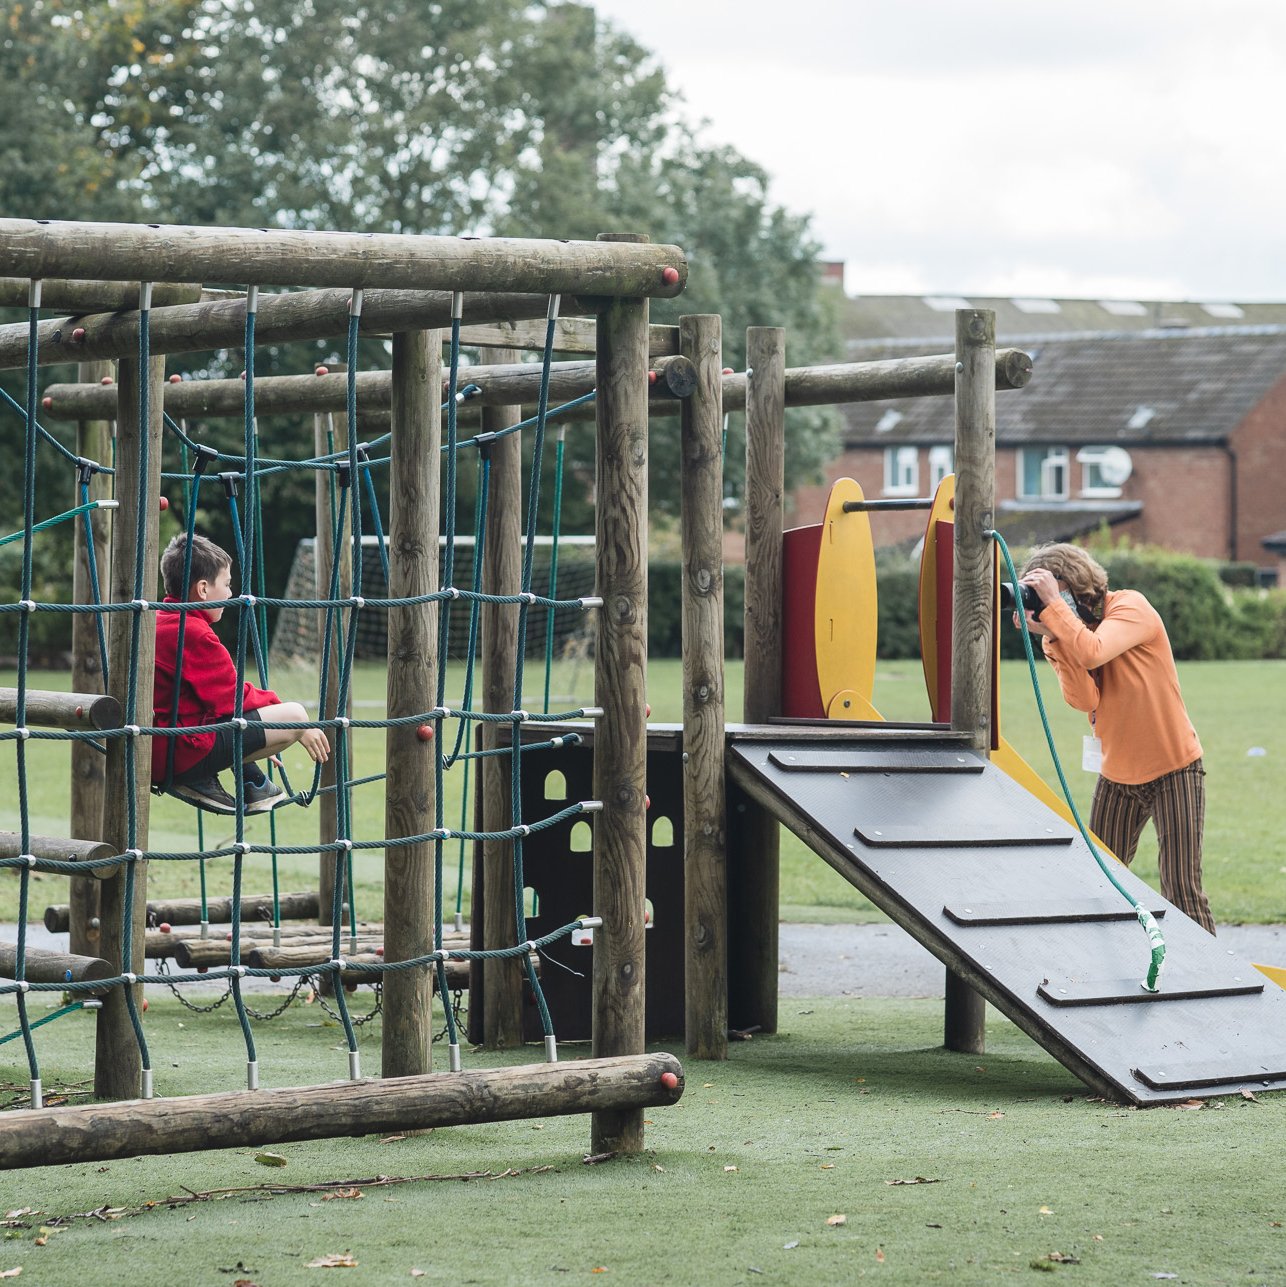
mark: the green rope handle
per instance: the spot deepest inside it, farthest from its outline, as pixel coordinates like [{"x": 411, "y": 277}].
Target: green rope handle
[{"x": 1153, "y": 981}]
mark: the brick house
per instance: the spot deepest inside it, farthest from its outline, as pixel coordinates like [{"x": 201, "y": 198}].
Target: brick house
[{"x": 1172, "y": 435}]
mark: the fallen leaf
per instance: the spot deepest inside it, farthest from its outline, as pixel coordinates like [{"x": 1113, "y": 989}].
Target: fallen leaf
[
  {"x": 1098, "y": 1237},
  {"x": 729, "y": 1168},
  {"x": 919, "y": 1179},
  {"x": 394, "y": 1139},
  {"x": 599, "y": 1269},
  {"x": 1250, "y": 1095},
  {"x": 790, "y": 1246},
  {"x": 879, "y": 1255},
  {"x": 828, "y": 1166},
  {"x": 339, "y": 1260},
  {"x": 836, "y": 1220},
  {"x": 656, "y": 1166},
  {"x": 350, "y": 1194},
  {"x": 1192, "y": 1104},
  {"x": 1165, "y": 1275},
  {"x": 417, "y": 1273},
  {"x": 1046, "y": 1211},
  {"x": 244, "y": 1282},
  {"x": 1060, "y": 1259},
  {"x": 270, "y": 1159},
  {"x": 11, "y": 1273},
  {"x": 995, "y": 1115}
]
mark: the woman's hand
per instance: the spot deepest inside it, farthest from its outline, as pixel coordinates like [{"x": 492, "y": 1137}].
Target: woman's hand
[
  {"x": 1045, "y": 583},
  {"x": 1033, "y": 626}
]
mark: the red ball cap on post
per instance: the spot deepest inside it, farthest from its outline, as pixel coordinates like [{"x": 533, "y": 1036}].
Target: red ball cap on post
[
  {"x": 425, "y": 732},
  {"x": 165, "y": 503},
  {"x": 669, "y": 1080},
  {"x": 669, "y": 275},
  {"x": 322, "y": 370}
]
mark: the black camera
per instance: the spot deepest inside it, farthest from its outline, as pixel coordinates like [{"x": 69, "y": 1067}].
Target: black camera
[{"x": 1031, "y": 600}]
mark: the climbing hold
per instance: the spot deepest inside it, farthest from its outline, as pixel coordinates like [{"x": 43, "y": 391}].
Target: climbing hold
[
  {"x": 425, "y": 732},
  {"x": 669, "y": 1080},
  {"x": 669, "y": 276}
]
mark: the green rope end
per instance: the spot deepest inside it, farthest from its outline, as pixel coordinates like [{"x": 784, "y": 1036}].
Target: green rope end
[{"x": 1153, "y": 982}]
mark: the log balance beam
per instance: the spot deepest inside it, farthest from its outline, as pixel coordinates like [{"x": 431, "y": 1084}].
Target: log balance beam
[{"x": 240, "y": 1119}]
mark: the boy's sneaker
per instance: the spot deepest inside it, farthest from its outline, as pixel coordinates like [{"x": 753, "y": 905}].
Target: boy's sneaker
[
  {"x": 262, "y": 798},
  {"x": 206, "y": 794}
]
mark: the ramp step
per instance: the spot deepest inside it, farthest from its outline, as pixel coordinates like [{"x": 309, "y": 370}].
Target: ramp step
[
  {"x": 814, "y": 759},
  {"x": 973, "y": 833},
  {"x": 1072, "y": 992},
  {"x": 1215, "y": 1071},
  {"x": 1047, "y": 911}
]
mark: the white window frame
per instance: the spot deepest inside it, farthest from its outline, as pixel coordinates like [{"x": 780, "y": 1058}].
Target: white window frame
[
  {"x": 942, "y": 461},
  {"x": 1052, "y": 458},
  {"x": 901, "y": 471},
  {"x": 1089, "y": 459}
]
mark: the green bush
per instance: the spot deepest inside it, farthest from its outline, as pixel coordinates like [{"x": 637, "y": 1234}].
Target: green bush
[{"x": 49, "y": 637}]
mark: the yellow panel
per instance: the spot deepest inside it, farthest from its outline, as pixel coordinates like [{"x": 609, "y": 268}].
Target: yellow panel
[
  {"x": 848, "y": 704},
  {"x": 846, "y": 614},
  {"x": 942, "y": 512},
  {"x": 1008, "y": 761},
  {"x": 1274, "y": 972}
]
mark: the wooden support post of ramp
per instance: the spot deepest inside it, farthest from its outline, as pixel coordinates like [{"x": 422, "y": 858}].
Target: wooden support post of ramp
[{"x": 241, "y": 1119}]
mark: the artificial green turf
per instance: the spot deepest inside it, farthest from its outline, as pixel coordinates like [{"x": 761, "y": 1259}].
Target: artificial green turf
[
  {"x": 1236, "y": 706},
  {"x": 737, "y": 1185}
]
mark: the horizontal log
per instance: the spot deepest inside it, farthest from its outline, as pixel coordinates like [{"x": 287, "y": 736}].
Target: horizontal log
[
  {"x": 43, "y": 966},
  {"x": 219, "y": 321},
  {"x": 241, "y": 1119},
  {"x": 256, "y": 911},
  {"x": 290, "y": 257},
  {"x": 92, "y": 297},
  {"x": 572, "y": 335},
  {"x": 74, "y": 711},
  {"x": 209, "y": 953},
  {"x": 504, "y": 385},
  {"x": 60, "y": 849}
]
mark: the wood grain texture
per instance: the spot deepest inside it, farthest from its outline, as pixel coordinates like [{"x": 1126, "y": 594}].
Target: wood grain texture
[
  {"x": 41, "y": 966},
  {"x": 572, "y": 335},
  {"x": 117, "y": 1061},
  {"x": 759, "y": 879},
  {"x": 704, "y": 824},
  {"x": 411, "y": 798},
  {"x": 620, "y": 688},
  {"x": 75, "y": 711},
  {"x": 57, "y": 849},
  {"x": 288, "y": 257},
  {"x": 88, "y": 770},
  {"x": 102, "y": 1132},
  {"x": 501, "y": 574}
]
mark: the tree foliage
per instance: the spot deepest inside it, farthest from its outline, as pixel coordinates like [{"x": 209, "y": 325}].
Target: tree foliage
[{"x": 418, "y": 116}]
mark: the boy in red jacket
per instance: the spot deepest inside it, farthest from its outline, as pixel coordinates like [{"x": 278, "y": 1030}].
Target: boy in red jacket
[{"x": 207, "y": 691}]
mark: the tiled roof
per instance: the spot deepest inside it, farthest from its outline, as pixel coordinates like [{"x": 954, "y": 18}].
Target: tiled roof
[
  {"x": 866, "y": 317},
  {"x": 1145, "y": 388},
  {"x": 1025, "y": 523}
]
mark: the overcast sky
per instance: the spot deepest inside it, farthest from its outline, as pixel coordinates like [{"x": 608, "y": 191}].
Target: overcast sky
[{"x": 1122, "y": 149}]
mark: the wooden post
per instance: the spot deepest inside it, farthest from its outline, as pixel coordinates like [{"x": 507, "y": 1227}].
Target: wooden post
[
  {"x": 501, "y": 574},
  {"x": 101, "y": 1132},
  {"x": 758, "y": 884},
  {"x": 620, "y": 687},
  {"x": 705, "y": 872},
  {"x": 118, "y": 1063},
  {"x": 410, "y": 799},
  {"x": 323, "y": 557},
  {"x": 88, "y": 770},
  {"x": 972, "y": 609}
]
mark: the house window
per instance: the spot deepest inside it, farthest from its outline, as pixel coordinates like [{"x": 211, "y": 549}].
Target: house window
[
  {"x": 901, "y": 471},
  {"x": 1103, "y": 470},
  {"x": 1042, "y": 473},
  {"x": 941, "y": 463}
]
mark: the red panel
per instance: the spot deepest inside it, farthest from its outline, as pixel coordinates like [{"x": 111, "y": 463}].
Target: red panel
[
  {"x": 944, "y": 549},
  {"x": 801, "y": 694}
]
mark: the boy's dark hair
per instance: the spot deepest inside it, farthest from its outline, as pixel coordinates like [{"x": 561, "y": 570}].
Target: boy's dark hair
[{"x": 208, "y": 560}]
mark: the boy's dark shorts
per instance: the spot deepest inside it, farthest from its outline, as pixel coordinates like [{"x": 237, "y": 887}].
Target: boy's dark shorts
[{"x": 253, "y": 739}]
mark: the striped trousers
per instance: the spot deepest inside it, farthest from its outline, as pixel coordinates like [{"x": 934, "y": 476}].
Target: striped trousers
[{"x": 1176, "y": 803}]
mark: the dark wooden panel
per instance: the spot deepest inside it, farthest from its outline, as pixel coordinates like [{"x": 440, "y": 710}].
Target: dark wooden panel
[
  {"x": 816, "y": 759},
  {"x": 1045, "y": 911},
  {"x": 1213, "y": 1072},
  {"x": 1174, "y": 987}
]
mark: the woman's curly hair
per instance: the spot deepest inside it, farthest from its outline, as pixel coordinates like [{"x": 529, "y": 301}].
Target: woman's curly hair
[{"x": 1083, "y": 576}]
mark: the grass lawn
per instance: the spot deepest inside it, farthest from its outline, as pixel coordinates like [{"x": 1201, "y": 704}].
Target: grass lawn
[
  {"x": 1235, "y": 706},
  {"x": 778, "y": 1165}
]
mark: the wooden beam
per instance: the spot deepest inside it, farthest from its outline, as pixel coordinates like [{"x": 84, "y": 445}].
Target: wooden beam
[
  {"x": 281, "y": 257},
  {"x": 42, "y": 966},
  {"x": 410, "y": 799},
  {"x": 57, "y": 849},
  {"x": 620, "y": 688},
  {"x": 91, "y": 296},
  {"x": 72, "y": 711},
  {"x": 756, "y": 891},
  {"x": 117, "y": 1060},
  {"x": 219, "y": 321},
  {"x": 256, "y": 909},
  {"x": 88, "y": 767},
  {"x": 705, "y": 872},
  {"x": 240, "y": 1119},
  {"x": 502, "y": 385},
  {"x": 972, "y": 609},
  {"x": 573, "y": 335}
]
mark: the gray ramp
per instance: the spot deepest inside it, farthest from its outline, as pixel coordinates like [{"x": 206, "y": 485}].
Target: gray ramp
[{"x": 1008, "y": 895}]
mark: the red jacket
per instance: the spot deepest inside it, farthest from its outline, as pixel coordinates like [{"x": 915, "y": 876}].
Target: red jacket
[{"x": 207, "y": 692}]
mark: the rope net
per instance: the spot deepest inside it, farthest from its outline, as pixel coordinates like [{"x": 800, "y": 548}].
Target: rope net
[{"x": 337, "y": 620}]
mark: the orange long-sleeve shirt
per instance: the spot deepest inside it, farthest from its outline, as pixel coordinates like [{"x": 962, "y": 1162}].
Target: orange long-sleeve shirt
[{"x": 1123, "y": 675}]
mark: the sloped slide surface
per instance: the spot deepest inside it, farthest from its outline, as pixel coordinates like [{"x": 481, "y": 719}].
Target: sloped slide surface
[{"x": 1007, "y": 894}]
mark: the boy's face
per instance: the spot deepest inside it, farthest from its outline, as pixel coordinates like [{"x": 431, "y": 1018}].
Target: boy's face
[{"x": 219, "y": 588}]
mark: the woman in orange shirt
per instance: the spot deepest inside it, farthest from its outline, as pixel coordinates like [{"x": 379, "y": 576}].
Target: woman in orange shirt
[{"x": 1112, "y": 656}]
